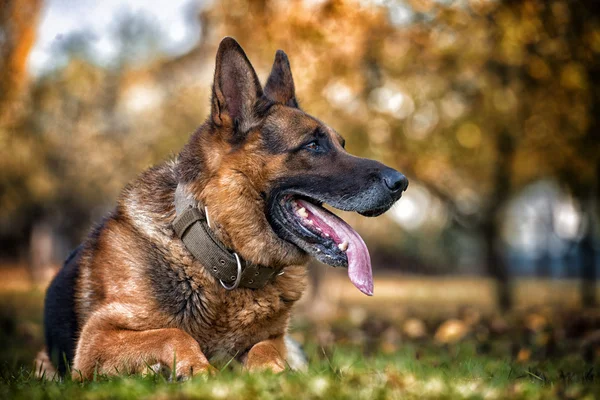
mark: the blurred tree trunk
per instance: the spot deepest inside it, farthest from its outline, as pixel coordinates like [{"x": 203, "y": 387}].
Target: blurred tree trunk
[
  {"x": 543, "y": 261},
  {"x": 588, "y": 270},
  {"x": 495, "y": 262},
  {"x": 590, "y": 150},
  {"x": 587, "y": 246},
  {"x": 496, "y": 266},
  {"x": 18, "y": 25},
  {"x": 585, "y": 15}
]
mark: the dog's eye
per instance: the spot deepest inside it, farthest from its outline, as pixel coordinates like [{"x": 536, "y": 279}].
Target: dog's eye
[{"x": 313, "y": 146}]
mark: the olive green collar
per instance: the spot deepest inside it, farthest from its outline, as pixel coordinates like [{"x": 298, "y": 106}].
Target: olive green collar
[{"x": 192, "y": 226}]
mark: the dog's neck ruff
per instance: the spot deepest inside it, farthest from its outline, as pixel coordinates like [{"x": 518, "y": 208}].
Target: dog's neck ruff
[{"x": 191, "y": 224}]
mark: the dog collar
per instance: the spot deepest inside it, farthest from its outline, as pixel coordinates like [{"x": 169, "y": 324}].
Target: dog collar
[{"x": 192, "y": 226}]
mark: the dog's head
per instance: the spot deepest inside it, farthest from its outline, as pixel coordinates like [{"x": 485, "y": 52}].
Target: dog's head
[{"x": 263, "y": 167}]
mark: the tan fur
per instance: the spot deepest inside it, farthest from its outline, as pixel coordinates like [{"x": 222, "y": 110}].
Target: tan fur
[
  {"x": 132, "y": 332},
  {"x": 234, "y": 203},
  {"x": 268, "y": 354}
]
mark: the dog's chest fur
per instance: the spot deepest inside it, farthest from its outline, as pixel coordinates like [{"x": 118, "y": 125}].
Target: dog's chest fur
[
  {"x": 221, "y": 320},
  {"x": 152, "y": 273}
]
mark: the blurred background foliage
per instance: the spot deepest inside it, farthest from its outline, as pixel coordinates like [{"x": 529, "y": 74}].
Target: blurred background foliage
[{"x": 490, "y": 108}]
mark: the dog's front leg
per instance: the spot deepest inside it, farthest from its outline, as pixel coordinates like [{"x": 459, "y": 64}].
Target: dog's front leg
[
  {"x": 109, "y": 350},
  {"x": 267, "y": 355}
]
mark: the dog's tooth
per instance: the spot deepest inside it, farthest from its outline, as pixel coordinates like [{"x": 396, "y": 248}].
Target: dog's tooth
[
  {"x": 343, "y": 246},
  {"x": 302, "y": 212},
  {"x": 309, "y": 221}
]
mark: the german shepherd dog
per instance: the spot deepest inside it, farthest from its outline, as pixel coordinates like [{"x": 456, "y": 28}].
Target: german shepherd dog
[{"x": 252, "y": 180}]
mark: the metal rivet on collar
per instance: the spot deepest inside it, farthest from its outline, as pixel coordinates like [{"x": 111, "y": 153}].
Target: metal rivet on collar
[{"x": 251, "y": 281}]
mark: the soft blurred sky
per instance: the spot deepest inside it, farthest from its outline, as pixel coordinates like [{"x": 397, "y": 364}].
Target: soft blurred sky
[
  {"x": 176, "y": 19},
  {"x": 178, "y": 26}
]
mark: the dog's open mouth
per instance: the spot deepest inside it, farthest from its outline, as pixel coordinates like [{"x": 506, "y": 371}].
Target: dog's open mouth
[{"x": 326, "y": 237}]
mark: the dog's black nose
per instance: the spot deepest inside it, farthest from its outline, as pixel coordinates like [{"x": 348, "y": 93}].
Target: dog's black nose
[{"x": 394, "y": 180}]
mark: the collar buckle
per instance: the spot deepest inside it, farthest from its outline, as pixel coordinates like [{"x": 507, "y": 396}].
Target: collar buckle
[{"x": 238, "y": 278}]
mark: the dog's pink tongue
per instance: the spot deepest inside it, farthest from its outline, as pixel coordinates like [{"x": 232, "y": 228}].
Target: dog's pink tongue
[{"x": 359, "y": 260}]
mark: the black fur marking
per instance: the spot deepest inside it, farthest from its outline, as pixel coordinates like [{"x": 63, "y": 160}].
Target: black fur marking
[
  {"x": 356, "y": 186},
  {"x": 190, "y": 160},
  {"x": 60, "y": 320},
  {"x": 174, "y": 292},
  {"x": 273, "y": 141},
  {"x": 262, "y": 108}
]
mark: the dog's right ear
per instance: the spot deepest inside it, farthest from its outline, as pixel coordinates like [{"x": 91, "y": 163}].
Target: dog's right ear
[{"x": 236, "y": 87}]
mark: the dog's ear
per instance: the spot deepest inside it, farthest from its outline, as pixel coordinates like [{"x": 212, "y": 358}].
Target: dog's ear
[
  {"x": 236, "y": 87},
  {"x": 280, "y": 85}
]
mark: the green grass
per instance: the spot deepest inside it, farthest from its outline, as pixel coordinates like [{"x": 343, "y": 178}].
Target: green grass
[
  {"x": 348, "y": 359},
  {"x": 438, "y": 373}
]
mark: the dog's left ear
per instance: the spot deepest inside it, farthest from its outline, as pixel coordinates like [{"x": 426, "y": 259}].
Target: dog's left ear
[
  {"x": 280, "y": 85},
  {"x": 236, "y": 87}
]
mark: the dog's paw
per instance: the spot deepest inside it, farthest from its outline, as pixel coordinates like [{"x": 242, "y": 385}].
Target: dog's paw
[
  {"x": 275, "y": 366},
  {"x": 186, "y": 370},
  {"x": 265, "y": 358}
]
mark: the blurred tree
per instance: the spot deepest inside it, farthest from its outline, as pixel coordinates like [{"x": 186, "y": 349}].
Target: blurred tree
[
  {"x": 525, "y": 72},
  {"x": 585, "y": 41},
  {"x": 74, "y": 147},
  {"x": 18, "y": 22},
  {"x": 473, "y": 100}
]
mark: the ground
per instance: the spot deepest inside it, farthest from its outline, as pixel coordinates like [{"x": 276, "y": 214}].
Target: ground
[{"x": 384, "y": 349}]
